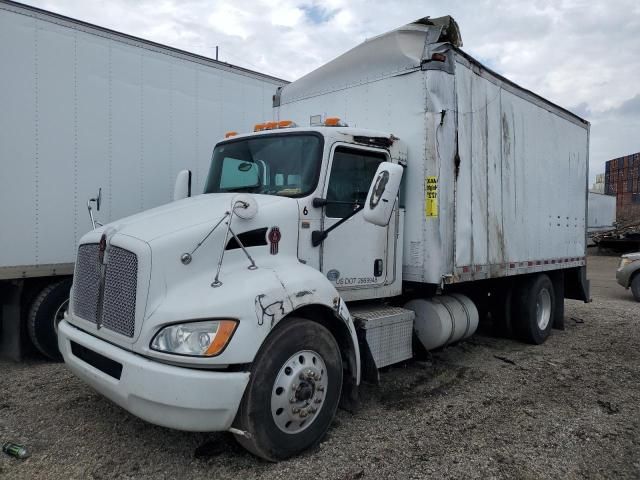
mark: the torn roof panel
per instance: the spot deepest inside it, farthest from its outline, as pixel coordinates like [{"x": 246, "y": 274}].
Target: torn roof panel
[{"x": 392, "y": 53}]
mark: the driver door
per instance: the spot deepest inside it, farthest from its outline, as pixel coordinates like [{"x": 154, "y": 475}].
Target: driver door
[{"x": 354, "y": 255}]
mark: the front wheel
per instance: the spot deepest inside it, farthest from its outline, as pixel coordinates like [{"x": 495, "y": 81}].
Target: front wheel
[
  {"x": 293, "y": 393},
  {"x": 635, "y": 287}
]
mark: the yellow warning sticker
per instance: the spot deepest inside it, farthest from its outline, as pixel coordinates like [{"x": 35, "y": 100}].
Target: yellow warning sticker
[{"x": 431, "y": 196}]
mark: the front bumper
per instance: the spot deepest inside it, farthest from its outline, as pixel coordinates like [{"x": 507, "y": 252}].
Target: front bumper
[{"x": 166, "y": 395}]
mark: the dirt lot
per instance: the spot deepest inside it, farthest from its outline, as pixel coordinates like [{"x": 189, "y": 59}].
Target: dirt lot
[{"x": 487, "y": 408}]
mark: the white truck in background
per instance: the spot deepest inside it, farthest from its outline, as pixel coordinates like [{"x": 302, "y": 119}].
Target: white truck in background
[
  {"x": 85, "y": 109},
  {"x": 440, "y": 194},
  {"x": 602, "y": 212}
]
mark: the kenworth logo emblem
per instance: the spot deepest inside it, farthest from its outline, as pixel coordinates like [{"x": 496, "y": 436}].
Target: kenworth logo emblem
[{"x": 274, "y": 239}]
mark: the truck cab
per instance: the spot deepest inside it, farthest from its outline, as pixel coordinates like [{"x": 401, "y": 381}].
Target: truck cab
[{"x": 228, "y": 310}]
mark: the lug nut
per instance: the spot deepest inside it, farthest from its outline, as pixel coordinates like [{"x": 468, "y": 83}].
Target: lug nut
[
  {"x": 320, "y": 388},
  {"x": 303, "y": 413},
  {"x": 295, "y": 410},
  {"x": 317, "y": 400}
]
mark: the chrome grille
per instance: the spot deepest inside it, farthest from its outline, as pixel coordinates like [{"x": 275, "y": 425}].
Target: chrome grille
[
  {"x": 86, "y": 284},
  {"x": 119, "y": 298},
  {"x": 117, "y": 311}
]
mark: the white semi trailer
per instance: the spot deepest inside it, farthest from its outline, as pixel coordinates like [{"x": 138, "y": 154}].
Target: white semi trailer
[
  {"x": 443, "y": 193},
  {"x": 84, "y": 109}
]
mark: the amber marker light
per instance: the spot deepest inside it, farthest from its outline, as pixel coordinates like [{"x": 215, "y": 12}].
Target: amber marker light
[
  {"x": 223, "y": 335},
  {"x": 286, "y": 124}
]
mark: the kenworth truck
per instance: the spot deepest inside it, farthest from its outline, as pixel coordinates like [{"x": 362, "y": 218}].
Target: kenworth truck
[{"x": 440, "y": 194}]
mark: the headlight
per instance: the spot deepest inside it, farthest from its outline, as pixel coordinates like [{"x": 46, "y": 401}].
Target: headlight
[
  {"x": 202, "y": 339},
  {"x": 624, "y": 262}
]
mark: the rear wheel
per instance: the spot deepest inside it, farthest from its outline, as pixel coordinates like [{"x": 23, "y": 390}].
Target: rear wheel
[
  {"x": 46, "y": 312},
  {"x": 293, "y": 391},
  {"x": 635, "y": 287},
  {"x": 535, "y": 306}
]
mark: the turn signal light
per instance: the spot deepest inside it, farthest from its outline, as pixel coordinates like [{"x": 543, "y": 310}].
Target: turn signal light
[
  {"x": 230, "y": 134},
  {"x": 223, "y": 335}
]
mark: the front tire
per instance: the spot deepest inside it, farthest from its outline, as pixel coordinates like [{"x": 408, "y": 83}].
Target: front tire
[
  {"x": 45, "y": 313},
  {"x": 293, "y": 391},
  {"x": 635, "y": 287},
  {"x": 535, "y": 307}
]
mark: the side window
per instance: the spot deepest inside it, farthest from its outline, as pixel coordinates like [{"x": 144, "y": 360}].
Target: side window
[{"x": 352, "y": 172}]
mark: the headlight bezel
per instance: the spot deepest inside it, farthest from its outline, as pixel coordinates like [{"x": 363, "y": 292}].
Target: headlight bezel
[{"x": 227, "y": 328}]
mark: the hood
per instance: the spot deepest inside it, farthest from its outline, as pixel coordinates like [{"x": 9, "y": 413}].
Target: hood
[{"x": 181, "y": 215}]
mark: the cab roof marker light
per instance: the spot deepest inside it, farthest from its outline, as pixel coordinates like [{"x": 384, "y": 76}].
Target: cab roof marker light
[
  {"x": 230, "y": 134},
  {"x": 258, "y": 127},
  {"x": 270, "y": 125},
  {"x": 334, "y": 122},
  {"x": 286, "y": 124}
]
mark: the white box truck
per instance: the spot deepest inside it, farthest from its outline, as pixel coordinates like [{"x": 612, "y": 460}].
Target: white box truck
[
  {"x": 440, "y": 193},
  {"x": 602, "y": 212},
  {"x": 83, "y": 108}
]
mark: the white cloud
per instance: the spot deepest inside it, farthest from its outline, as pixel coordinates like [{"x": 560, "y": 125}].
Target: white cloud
[{"x": 580, "y": 54}]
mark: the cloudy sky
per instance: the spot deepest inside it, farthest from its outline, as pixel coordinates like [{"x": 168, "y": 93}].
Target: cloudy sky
[{"x": 583, "y": 55}]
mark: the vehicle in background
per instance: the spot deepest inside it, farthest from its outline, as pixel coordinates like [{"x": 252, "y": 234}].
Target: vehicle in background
[
  {"x": 86, "y": 109},
  {"x": 602, "y": 213},
  {"x": 442, "y": 191},
  {"x": 628, "y": 273}
]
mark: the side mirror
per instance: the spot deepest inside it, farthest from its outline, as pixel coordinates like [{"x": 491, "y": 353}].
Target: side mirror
[
  {"x": 182, "y": 188},
  {"x": 382, "y": 194}
]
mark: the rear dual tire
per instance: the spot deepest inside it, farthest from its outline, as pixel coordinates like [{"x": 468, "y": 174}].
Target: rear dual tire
[{"x": 534, "y": 306}]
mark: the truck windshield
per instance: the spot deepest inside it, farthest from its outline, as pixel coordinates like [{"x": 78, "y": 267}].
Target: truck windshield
[{"x": 280, "y": 164}]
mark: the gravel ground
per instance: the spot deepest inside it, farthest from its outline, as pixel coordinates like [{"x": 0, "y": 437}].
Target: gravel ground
[{"x": 486, "y": 408}]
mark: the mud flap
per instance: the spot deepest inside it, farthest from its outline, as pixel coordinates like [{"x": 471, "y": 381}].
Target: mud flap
[
  {"x": 557, "y": 280},
  {"x": 576, "y": 284},
  {"x": 11, "y": 330},
  {"x": 368, "y": 370}
]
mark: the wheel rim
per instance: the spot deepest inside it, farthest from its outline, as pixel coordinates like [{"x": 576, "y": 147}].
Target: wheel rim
[
  {"x": 543, "y": 308},
  {"x": 59, "y": 315},
  {"x": 299, "y": 391}
]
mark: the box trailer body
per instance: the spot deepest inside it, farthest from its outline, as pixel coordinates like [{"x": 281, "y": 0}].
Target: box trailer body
[
  {"x": 602, "y": 212},
  {"x": 319, "y": 251},
  {"x": 508, "y": 169},
  {"x": 85, "y": 108}
]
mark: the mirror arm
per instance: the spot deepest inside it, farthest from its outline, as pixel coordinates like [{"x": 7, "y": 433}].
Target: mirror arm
[{"x": 318, "y": 236}]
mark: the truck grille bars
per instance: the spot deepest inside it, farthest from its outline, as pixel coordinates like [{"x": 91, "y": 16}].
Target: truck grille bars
[{"x": 106, "y": 294}]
